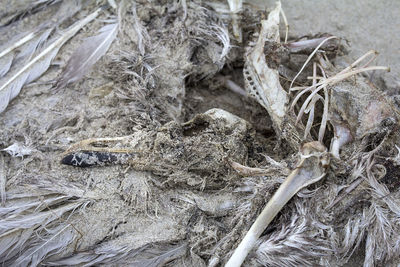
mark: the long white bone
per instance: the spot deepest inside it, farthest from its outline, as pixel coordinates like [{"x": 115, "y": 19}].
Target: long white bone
[{"x": 314, "y": 160}]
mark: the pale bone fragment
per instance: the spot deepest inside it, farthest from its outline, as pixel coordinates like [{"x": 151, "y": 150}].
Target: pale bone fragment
[
  {"x": 261, "y": 81},
  {"x": 112, "y": 3},
  {"x": 235, "y": 7},
  {"x": 314, "y": 159},
  {"x": 247, "y": 171},
  {"x": 273, "y": 167},
  {"x": 18, "y": 150}
]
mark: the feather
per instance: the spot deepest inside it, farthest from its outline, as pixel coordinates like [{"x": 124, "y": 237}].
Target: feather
[
  {"x": 110, "y": 253},
  {"x": 293, "y": 245},
  {"x": 18, "y": 150},
  {"x": 92, "y": 49},
  {"x": 12, "y": 245},
  {"x": 35, "y": 219},
  {"x": 106, "y": 252},
  {"x": 142, "y": 35},
  {"x": 27, "y": 215},
  {"x": 53, "y": 241},
  {"x": 18, "y": 41},
  {"x": 25, "y": 227},
  {"x": 29, "y": 49},
  {"x": 5, "y": 64},
  {"x": 23, "y": 205},
  {"x": 11, "y": 86},
  {"x": 159, "y": 256},
  {"x": 2, "y": 180}
]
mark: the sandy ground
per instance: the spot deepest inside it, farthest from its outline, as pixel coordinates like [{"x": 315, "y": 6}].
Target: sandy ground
[{"x": 366, "y": 24}]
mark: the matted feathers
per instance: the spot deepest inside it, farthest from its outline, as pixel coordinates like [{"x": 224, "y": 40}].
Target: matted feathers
[
  {"x": 34, "y": 226},
  {"x": 50, "y": 241},
  {"x": 87, "y": 54},
  {"x": 155, "y": 254},
  {"x": 293, "y": 245}
]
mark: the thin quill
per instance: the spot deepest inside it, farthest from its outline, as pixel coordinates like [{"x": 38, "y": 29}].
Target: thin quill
[
  {"x": 16, "y": 43},
  {"x": 2, "y": 180},
  {"x": 11, "y": 86},
  {"x": 92, "y": 49}
]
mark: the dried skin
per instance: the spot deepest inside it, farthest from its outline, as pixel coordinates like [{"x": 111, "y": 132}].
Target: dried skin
[{"x": 361, "y": 106}]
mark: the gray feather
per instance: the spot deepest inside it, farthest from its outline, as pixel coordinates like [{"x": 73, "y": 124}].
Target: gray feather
[
  {"x": 35, "y": 219},
  {"x": 28, "y": 49},
  {"x": 293, "y": 245},
  {"x": 92, "y": 49},
  {"x": 53, "y": 241},
  {"x": 29, "y": 42},
  {"x": 110, "y": 253},
  {"x": 5, "y": 64},
  {"x": 18, "y": 242},
  {"x": 27, "y": 233},
  {"x": 23, "y": 205},
  {"x": 141, "y": 32},
  {"x": 159, "y": 256},
  {"x": 11, "y": 84}
]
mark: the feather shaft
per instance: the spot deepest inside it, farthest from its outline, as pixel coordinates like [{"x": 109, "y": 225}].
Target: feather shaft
[
  {"x": 2, "y": 180},
  {"x": 22, "y": 41}
]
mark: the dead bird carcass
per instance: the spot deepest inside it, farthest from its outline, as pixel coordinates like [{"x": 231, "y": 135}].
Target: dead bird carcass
[{"x": 176, "y": 200}]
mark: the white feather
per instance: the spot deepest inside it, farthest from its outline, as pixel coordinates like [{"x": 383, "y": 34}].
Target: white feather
[
  {"x": 27, "y": 215},
  {"x": 92, "y": 49}
]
